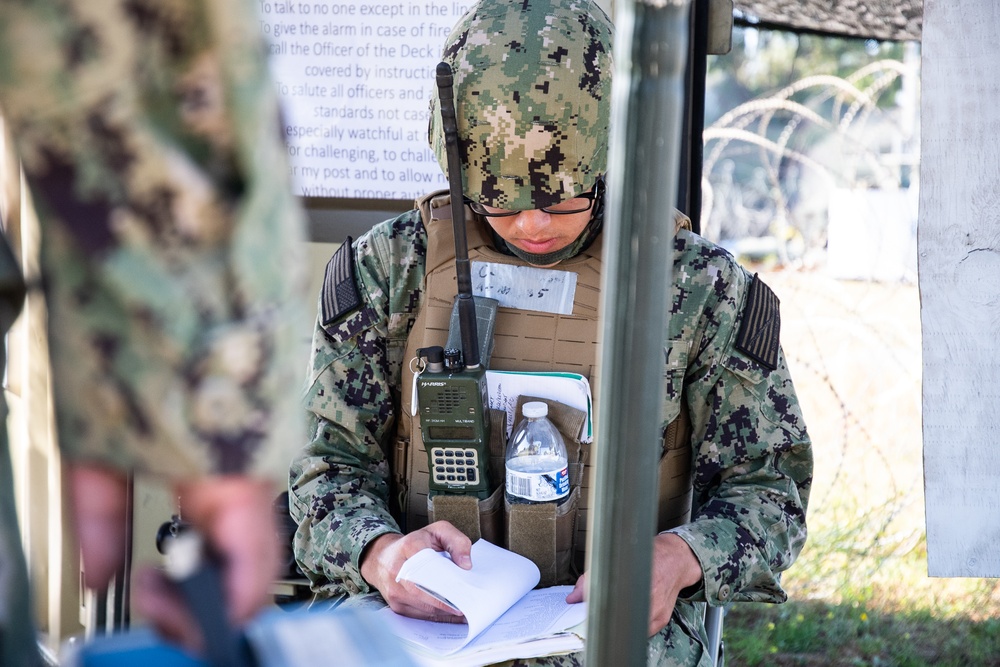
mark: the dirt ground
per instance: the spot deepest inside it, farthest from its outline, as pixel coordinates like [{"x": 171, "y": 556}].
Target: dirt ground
[{"x": 854, "y": 350}]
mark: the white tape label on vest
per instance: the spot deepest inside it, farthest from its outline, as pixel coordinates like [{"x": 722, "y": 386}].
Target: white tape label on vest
[{"x": 525, "y": 287}]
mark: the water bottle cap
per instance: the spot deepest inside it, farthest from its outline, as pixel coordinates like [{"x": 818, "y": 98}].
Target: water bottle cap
[{"x": 534, "y": 409}]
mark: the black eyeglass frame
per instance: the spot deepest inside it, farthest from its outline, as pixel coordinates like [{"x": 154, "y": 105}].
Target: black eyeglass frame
[{"x": 590, "y": 195}]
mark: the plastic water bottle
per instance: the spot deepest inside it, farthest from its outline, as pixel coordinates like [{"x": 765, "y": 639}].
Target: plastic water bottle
[{"x": 536, "y": 459}]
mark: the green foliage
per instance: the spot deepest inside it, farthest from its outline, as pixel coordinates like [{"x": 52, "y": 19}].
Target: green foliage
[
  {"x": 859, "y": 593},
  {"x": 859, "y": 598},
  {"x": 854, "y": 633}
]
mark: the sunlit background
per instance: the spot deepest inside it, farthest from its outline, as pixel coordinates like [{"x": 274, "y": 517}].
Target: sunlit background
[{"x": 811, "y": 177}]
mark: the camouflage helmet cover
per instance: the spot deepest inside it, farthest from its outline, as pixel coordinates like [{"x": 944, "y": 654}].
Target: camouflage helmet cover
[{"x": 532, "y": 86}]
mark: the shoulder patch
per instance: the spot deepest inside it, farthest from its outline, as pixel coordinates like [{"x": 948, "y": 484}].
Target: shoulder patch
[
  {"x": 761, "y": 325},
  {"x": 340, "y": 293}
]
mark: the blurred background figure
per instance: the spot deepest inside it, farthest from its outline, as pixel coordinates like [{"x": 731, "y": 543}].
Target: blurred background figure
[{"x": 149, "y": 137}]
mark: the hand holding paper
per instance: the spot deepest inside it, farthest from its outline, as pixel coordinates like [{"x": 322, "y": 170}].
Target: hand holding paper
[
  {"x": 383, "y": 558},
  {"x": 506, "y": 618}
]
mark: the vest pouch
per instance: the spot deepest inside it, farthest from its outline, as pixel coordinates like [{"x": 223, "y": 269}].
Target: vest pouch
[
  {"x": 475, "y": 518},
  {"x": 397, "y": 496},
  {"x": 478, "y": 518},
  {"x": 676, "y": 490},
  {"x": 543, "y": 533}
]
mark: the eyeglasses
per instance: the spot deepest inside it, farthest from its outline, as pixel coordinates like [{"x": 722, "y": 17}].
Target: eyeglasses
[{"x": 579, "y": 204}]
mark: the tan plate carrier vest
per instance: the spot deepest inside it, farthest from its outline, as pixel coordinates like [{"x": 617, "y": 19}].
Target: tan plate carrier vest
[{"x": 524, "y": 341}]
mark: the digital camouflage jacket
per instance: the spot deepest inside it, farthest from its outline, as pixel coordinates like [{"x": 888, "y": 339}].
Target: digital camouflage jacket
[
  {"x": 150, "y": 137},
  {"x": 752, "y": 455}
]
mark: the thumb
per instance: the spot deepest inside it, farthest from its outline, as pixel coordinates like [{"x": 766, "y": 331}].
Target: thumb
[
  {"x": 579, "y": 592},
  {"x": 454, "y": 541},
  {"x": 462, "y": 557},
  {"x": 99, "y": 497}
]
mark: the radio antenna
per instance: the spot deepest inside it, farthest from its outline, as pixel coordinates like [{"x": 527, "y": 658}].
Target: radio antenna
[{"x": 466, "y": 305}]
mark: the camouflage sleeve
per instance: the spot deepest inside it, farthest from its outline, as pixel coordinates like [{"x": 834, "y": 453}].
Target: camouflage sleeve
[
  {"x": 753, "y": 457},
  {"x": 149, "y": 134},
  {"x": 339, "y": 484}
]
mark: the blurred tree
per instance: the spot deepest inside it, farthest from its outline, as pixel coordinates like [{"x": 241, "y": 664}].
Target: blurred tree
[
  {"x": 764, "y": 61},
  {"x": 792, "y": 117}
]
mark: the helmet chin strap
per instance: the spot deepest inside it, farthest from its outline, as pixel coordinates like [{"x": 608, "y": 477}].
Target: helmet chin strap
[{"x": 582, "y": 242}]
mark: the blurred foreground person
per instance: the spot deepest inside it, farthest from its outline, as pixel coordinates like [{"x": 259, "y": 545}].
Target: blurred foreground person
[{"x": 150, "y": 138}]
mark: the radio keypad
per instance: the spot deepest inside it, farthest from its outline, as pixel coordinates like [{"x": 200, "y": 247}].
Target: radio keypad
[{"x": 455, "y": 465}]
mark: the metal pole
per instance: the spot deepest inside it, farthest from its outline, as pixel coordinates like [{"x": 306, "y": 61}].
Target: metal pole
[
  {"x": 647, "y": 99},
  {"x": 692, "y": 143}
]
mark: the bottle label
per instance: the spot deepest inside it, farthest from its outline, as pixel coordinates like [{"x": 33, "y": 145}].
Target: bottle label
[{"x": 538, "y": 486}]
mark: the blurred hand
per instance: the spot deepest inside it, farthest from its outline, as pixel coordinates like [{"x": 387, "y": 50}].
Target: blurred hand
[
  {"x": 98, "y": 504},
  {"x": 234, "y": 515},
  {"x": 675, "y": 567},
  {"x": 383, "y": 557}
]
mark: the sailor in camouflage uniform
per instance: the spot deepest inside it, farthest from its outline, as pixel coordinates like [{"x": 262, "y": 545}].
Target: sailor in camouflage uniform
[
  {"x": 532, "y": 82},
  {"x": 149, "y": 134}
]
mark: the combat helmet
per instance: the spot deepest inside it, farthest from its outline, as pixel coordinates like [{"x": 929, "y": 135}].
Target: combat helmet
[{"x": 533, "y": 98}]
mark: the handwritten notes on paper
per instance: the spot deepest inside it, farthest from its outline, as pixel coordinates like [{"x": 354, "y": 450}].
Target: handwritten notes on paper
[{"x": 525, "y": 287}]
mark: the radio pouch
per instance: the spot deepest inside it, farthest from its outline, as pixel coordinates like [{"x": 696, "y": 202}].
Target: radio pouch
[
  {"x": 478, "y": 518},
  {"x": 486, "y": 320},
  {"x": 545, "y": 532}
]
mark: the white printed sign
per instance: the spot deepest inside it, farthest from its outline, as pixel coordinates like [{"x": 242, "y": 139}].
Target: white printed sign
[{"x": 355, "y": 78}]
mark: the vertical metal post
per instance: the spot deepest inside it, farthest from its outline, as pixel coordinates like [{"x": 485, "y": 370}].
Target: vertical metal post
[
  {"x": 647, "y": 100},
  {"x": 692, "y": 143}
]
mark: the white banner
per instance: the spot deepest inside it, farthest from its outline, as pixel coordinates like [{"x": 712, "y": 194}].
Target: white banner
[{"x": 355, "y": 80}]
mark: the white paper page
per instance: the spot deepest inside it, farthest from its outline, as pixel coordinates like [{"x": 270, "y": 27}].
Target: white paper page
[
  {"x": 541, "y": 623},
  {"x": 557, "y": 645},
  {"x": 436, "y": 638},
  {"x": 497, "y": 580},
  {"x": 539, "y": 613},
  {"x": 504, "y": 388}
]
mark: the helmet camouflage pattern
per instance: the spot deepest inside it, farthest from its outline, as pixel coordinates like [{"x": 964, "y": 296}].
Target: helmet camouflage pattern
[{"x": 533, "y": 97}]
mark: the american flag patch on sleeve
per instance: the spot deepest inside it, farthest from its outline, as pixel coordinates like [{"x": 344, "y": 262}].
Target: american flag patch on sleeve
[
  {"x": 340, "y": 290},
  {"x": 761, "y": 325}
]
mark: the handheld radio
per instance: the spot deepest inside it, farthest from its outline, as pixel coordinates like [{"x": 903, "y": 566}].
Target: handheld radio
[{"x": 451, "y": 390}]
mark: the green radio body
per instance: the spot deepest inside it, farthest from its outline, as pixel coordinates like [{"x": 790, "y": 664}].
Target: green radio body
[{"x": 455, "y": 426}]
